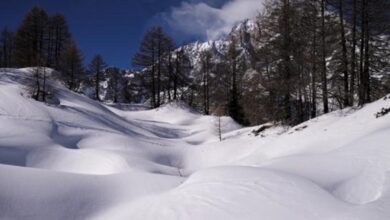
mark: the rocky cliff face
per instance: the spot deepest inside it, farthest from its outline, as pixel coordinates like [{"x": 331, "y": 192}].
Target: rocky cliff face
[{"x": 244, "y": 32}]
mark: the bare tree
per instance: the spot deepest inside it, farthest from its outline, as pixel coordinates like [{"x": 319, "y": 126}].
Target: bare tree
[
  {"x": 151, "y": 56},
  {"x": 344, "y": 53},
  {"x": 72, "y": 69},
  {"x": 96, "y": 68},
  {"x": 6, "y": 48},
  {"x": 30, "y": 38},
  {"x": 206, "y": 68}
]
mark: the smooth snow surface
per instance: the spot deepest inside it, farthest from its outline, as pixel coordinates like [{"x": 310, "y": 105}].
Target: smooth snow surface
[{"x": 79, "y": 159}]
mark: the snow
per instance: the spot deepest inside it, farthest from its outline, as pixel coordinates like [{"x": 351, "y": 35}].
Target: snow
[{"x": 79, "y": 159}]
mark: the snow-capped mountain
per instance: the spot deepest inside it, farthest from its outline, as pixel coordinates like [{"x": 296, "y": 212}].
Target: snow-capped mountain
[{"x": 243, "y": 32}]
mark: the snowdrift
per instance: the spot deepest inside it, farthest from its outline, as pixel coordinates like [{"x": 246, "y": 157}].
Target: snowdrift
[{"x": 79, "y": 159}]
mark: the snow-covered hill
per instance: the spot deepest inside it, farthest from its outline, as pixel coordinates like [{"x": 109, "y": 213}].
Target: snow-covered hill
[{"x": 79, "y": 159}]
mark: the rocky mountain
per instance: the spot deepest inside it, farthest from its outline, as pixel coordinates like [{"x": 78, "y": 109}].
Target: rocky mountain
[{"x": 244, "y": 31}]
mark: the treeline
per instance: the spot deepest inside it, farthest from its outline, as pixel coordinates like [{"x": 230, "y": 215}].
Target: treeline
[
  {"x": 322, "y": 55},
  {"x": 170, "y": 75},
  {"x": 44, "y": 41},
  {"x": 297, "y": 59}
]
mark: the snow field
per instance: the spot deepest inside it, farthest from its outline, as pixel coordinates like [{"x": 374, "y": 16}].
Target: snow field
[{"x": 79, "y": 159}]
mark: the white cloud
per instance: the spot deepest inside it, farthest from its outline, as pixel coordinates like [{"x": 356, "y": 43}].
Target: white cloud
[{"x": 200, "y": 19}]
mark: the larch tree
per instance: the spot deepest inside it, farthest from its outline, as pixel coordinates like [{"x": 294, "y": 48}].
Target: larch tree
[
  {"x": 151, "y": 57},
  {"x": 324, "y": 79},
  {"x": 145, "y": 59},
  {"x": 374, "y": 25},
  {"x": 72, "y": 70},
  {"x": 182, "y": 67},
  {"x": 206, "y": 66},
  {"x": 353, "y": 53},
  {"x": 344, "y": 53},
  {"x": 30, "y": 39},
  {"x": 58, "y": 37},
  {"x": 234, "y": 107},
  {"x": 115, "y": 83},
  {"x": 6, "y": 48},
  {"x": 96, "y": 68}
]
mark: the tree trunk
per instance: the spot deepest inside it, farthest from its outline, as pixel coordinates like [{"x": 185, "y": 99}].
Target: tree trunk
[
  {"x": 323, "y": 64},
  {"x": 44, "y": 85},
  {"x": 314, "y": 75},
  {"x": 344, "y": 54},
  {"x": 367, "y": 54},
  {"x": 219, "y": 128},
  {"x": 97, "y": 84},
  {"x": 353, "y": 56},
  {"x": 72, "y": 77},
  {"x": 205, "y": 87},
  {"x": 362, "y": 83},
  {"x": 153, "y": 104},
  {"x": 159, "y": 54},
  {"x": 170, "y": 78},
  {"x": 286, "y": 59},
  {"x": 38, "y": 92},
  {"x": 175, "y": 80}
]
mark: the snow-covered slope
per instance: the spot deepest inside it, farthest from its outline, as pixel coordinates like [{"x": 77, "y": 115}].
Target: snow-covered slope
[{"x": 80, "y": 159}]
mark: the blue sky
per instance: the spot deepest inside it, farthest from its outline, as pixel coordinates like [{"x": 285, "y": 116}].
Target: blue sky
[{"x": 114, "y": 28}]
